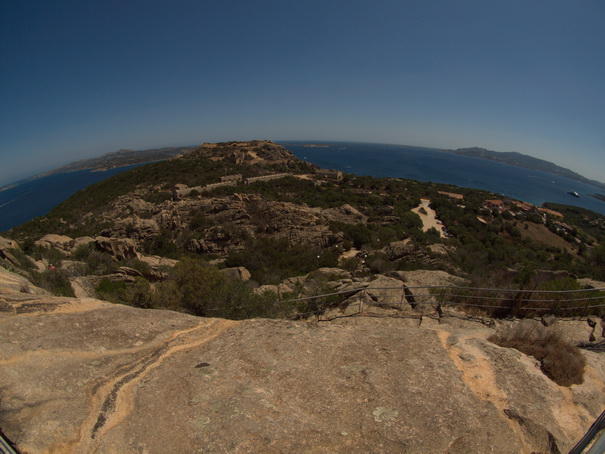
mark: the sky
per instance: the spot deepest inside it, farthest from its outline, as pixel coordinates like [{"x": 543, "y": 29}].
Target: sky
[{"x": 82, "y": 78}]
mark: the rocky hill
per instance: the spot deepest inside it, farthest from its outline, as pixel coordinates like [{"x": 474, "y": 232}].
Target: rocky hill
[
  {"x": 81, "y": 375},
  {"x": 254, "y": 207},
  {"x": 529, "y": 162},
  {"x": 268, "y": 305}
]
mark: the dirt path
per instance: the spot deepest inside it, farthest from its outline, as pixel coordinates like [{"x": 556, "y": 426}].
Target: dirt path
[{"x": 429, "y": 220}]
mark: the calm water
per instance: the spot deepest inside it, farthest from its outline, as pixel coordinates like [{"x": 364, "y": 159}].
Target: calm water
[
  {"x": 38, "y": 197},
  {"x": 424, "y": 164}
]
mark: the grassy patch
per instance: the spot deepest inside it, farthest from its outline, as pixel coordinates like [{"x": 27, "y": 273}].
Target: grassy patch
[{"x": 560, "y": 361}]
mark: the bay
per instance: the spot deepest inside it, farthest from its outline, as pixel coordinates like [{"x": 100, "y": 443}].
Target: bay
[
  {"x": 37, "y": 197},
  {"x": 437, "y": 166}
]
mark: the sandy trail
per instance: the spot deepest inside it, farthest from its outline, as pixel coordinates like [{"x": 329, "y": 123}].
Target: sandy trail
[{"x": 429, "y": 220}]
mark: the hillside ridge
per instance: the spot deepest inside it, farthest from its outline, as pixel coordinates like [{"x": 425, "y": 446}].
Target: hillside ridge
[{"x": 526, "y": 161}]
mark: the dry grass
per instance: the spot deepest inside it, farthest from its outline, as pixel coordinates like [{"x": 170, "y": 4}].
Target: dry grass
[
  {"x": 541, "y": 234},
  {"x": 560, "y": 361}
]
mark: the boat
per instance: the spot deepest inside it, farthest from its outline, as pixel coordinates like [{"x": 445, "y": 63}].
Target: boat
[{"x": 574, "y": 193}]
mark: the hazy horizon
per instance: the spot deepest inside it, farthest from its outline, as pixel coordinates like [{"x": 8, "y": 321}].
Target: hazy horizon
[
  {"x": 283, "y": 141},
  {"x": 83, "y": 79}
]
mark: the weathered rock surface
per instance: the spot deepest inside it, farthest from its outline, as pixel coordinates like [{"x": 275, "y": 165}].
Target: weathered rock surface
[
  {"x": 61, "y": 242},
  {"x": 83, "y": 376},
  {"x": 118, "y": 248},
  {"x": 6, "y": 248},
  {"x": 12, "y": 285},
  {"x": 239, "y": 273}
]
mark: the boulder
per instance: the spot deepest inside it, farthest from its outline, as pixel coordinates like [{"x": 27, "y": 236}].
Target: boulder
[
  {"x": 13, "y": 282},
  {"x": 6, "y": 248},
  {"x": 387, "y": 292},
  {"x": 328, "y": 274},
  {"x": 62, "y": 243},
  {"x": 238, "y": 273},
  {"x": 119, "y": 248},
  {"x": 426, "y": 278},
  {"x": 127, "y": 271},
  {"x": 80, "y": 241},
  {"x": 135, "y": 228},
  {"x": 156, "y": 261}
]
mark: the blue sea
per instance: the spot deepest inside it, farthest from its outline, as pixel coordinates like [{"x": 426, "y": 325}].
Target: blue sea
[
  {"x": 430, "y": 165},
  {"x": 37, "y": 197}
]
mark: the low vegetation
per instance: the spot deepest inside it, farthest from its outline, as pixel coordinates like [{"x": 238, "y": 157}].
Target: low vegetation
[
  {"x": 199, "y": 289},
  {"x": 560, "y": 361}
]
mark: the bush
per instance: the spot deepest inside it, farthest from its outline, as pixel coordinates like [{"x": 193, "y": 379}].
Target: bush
[
  {"x": 111, "y": 291},
  {"x": 560, "y": 361},
  {"x": 270, "y": 260},
  {"x": 55, "y": 281},
  {"x": 97, "y": 262}
]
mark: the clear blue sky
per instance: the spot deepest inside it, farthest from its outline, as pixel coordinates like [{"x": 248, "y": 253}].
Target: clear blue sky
[{"x": 83, "y": 78}]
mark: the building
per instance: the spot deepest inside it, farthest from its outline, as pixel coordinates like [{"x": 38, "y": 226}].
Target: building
[
  {"x": 495, "y": 204},
  {"x": 333, "y": 175}
]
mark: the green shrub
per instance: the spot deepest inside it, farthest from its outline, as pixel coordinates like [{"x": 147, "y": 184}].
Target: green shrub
[
  {"x": 270, "y": 260},
  {"x": 560, "y": 361},
  {"x": 97, "y": 262},
  {"x": 55, "y": 281},
  {"x": 111, "y": 291}
]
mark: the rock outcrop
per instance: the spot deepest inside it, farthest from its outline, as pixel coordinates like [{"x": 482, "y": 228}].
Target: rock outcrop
[
  {"x": 6, "y": 250},
  {"x": 62, "y": 243},
  {"x": 80, "y": 376},
  {"x": 118, "y": 248}
]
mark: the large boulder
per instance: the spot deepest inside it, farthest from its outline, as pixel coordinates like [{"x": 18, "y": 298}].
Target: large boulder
[
  {"x": 62, "y": 243},
  {"x": 238, "y": 273},
  {"x": 82, "y": 241},
  {"x": 14, "y": 283},
  {"x": 119, "y": 248},
  {"x": 135, "y": 228},
  {"x": 6, "y": 250}
]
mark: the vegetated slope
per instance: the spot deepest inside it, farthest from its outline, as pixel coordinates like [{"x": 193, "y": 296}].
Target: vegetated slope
[
  {"x": 521, "y": 160},
  {"x": 122, "y": 158},
  {"x": 255, "y": 205}
]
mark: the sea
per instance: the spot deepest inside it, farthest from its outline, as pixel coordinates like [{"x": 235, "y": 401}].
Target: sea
[
  {"x": 437, "y": 166},
  {"x": 37, "y": 197}
]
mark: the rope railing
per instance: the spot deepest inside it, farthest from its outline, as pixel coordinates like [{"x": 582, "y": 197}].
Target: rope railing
[{"x": 521, "y": 301}]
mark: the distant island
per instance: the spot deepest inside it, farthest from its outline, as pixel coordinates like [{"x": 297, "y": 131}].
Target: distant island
[
  {"x": 528, "y": 162},
  {"x": 120, "y": 158}
]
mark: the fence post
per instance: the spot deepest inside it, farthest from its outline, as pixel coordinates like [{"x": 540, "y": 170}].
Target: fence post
[
  {"x": 439, "y": 301},
  {"x": 402, "y": 297},
  {"x": 588, "y": 305}
]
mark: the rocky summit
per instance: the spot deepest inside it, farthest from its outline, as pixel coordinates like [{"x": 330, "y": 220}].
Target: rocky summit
[{"x": 80, "y": 375}]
